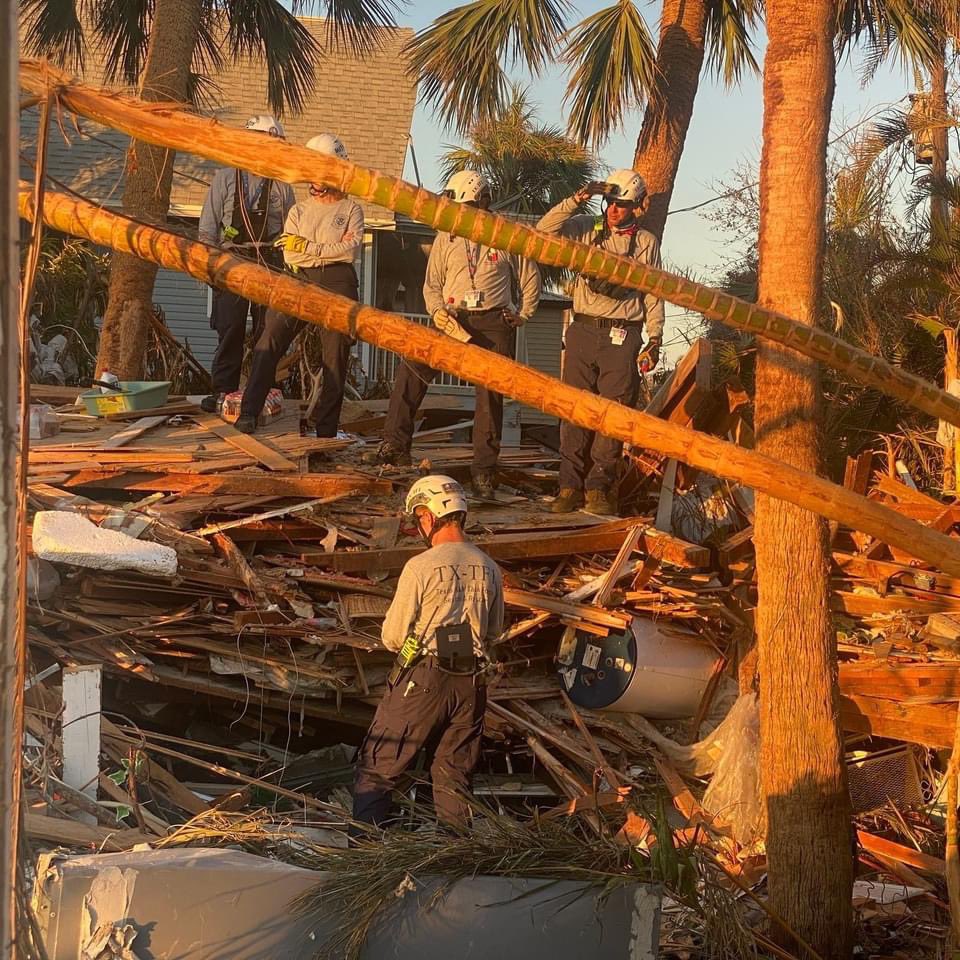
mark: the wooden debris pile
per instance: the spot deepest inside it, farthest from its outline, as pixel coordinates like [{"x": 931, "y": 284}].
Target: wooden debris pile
[{"x": 246, "y": 681}]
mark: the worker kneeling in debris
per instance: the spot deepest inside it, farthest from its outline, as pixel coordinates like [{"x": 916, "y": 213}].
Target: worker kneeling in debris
[
  {"x": 604, "y": 343},
  {"x": 243, "y": 213},
  {"x": 321, "y": 241},
  {"x": 469, "y": 294},
  {"x": 447, "y": 608}
]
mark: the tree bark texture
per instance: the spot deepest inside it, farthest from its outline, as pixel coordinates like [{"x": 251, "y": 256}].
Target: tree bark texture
[
  {"x": 801, "y": 749},
  {"x": 680, "y": 53},
  {"x": 146, "y": 194},
  {"x": 294, "y": 164},
  {"x": 301, "y": 299},
  {"x": 939, "y": 207}
]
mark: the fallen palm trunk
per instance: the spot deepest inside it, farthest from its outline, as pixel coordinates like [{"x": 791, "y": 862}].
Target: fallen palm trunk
[
  {"x": 170, "y": 126},
  {"x": 394, "y": 333}
]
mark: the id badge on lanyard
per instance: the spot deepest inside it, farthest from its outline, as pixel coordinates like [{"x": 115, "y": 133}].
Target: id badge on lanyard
[{"x": 473, "y": 299}]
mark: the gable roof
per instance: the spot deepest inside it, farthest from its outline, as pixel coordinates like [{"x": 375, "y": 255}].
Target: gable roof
[{"x": 368, "y": 101}]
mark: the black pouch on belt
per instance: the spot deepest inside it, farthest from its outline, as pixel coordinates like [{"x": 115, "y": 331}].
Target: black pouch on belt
[{"x": 455, "y": 648}]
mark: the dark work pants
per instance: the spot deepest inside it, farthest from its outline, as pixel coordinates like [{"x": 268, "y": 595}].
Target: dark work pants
[
  {"x": 228, "y": 317},
  {"x": 279, "y": 331},
  {"x": 593, "y": 362},
  {"x": 488, "y": 330},
  {"x": 441, "y": 711}
]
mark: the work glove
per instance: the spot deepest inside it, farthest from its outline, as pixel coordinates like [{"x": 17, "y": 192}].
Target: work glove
[
  {"x": 291, "y": 243},
  {"x": 513, "y": 319},
  {"x": 650, "y": 356},
  {"x": 447, "y": 323}
]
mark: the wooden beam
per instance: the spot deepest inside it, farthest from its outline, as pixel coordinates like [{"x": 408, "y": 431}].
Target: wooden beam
[
  {"x": 313, "y": 485},
  {"x": 931, "y": 725},
  {"x": 901, "y": 682},
  {"x": 81, "y": 730},
  {"x": 527, "y": 546}
]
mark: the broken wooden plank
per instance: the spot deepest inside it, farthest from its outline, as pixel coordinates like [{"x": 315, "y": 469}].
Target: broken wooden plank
[
  {"x": 250, "y": 445},
  {"x": 70, "y": 833},
  {"x": 315, "y": 485},
  {"x": 931, "y": 725},
  {"x": 134, "y": 430},
  {"x": 901, "y": 854},
  {"x": 528, "y": 600},
  {"x": 528, "y": 546}
]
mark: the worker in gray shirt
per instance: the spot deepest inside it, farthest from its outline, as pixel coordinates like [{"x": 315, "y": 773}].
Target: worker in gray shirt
[
  {"x": 321, "y": 241},
  {"x": 469, "y": 294},
  {"x": 447, "y": 610},
  {"x": 244, "y": 213},
  {"x": 603, "y": 348}
]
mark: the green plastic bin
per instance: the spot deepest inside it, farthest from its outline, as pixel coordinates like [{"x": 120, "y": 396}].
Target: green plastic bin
[{"x": 132, "y": 395}]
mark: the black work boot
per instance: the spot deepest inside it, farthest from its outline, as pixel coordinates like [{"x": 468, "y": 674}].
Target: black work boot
[
  {"x": 601, "y": 502},
  {"x": 567, "y": 501},
  {"x": 485, "y": 485},
  {"x": 246, "y": 424},
  {"x": 213, "y": 403},
  {"x": 387, "y": 455}
]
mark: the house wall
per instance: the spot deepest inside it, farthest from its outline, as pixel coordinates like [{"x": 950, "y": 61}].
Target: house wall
[{"x": 185, "y": 305}]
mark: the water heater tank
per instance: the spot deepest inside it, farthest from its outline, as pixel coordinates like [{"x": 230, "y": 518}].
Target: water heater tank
[{"x": 653, "y": 668}]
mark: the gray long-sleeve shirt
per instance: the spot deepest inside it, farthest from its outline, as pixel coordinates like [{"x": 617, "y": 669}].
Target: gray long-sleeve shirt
[
  {"x": 325, "y": 227},
  {"x": 448, "y": 276},
  {"x": 217, "y": 212},
  {"x": 637, "y": 307},
  {"x": 449, "y": 584}
]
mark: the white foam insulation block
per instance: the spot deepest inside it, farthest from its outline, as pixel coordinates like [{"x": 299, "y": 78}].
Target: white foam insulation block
[{"x": 70, "y": 538}]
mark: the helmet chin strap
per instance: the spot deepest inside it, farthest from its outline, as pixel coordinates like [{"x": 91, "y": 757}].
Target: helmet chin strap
[{"x": 426, "y": 537}]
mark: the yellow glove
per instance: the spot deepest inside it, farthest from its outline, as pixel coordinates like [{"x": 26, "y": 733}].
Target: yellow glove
[
  {"x": 291, "y": 243},
  {"x": 447, "y": 323}
]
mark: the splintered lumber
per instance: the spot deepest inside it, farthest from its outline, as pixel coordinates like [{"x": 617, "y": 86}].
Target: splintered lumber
[
  {"x": 909, "y": 683},
  {"x": 294, "y": 297},
  {"x": 565, "y": 609},
  {"x": 241, "y": 441},
  {"x": 203, "y": 136},
  {"x": 526, "y": 546},
  {"x": 130, "y": 433},
  {"x": 889, "y": 850},
  {"x": 313, "y": 485},
  {"x": 932, "y": 725},
  {"x": 70, "y": 833}
]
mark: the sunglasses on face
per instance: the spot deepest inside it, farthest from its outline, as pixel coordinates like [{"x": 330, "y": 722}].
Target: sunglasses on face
[{"x": 622, "y": 204}]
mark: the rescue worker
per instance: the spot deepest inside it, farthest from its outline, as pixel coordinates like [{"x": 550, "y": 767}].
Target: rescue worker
[
  {"x": 321, "y": 241},
  {"x": 447, "y": 608},
  {"x": 244, "y": 213},
  {"x": 468, "y": 293},
  {"x": 604, "y": 343}
]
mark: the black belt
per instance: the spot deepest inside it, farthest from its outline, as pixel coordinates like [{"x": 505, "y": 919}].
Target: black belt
[
  {"x": 433, "y": 663},
  {"x": 605, "y": 323}
]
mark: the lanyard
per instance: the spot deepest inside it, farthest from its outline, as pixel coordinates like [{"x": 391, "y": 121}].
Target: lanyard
[{"x": 473, "y": 261}]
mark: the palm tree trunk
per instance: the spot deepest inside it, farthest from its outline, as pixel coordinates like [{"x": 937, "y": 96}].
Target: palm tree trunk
[
  {"x": 801, "y": 749},
  {"x": 680, "y": 53},
  {"x": 283, "y": 161},
  {"x": 939, "y": 207},
  {"x": 146, "y": 195},
  {"x": 289, "y": 295}
]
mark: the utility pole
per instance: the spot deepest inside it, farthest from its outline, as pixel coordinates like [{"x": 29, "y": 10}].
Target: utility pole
[{"x": 10, "y": 695}]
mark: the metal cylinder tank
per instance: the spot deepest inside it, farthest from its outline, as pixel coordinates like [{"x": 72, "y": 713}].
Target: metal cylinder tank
[{"x": 654, "y": 669}]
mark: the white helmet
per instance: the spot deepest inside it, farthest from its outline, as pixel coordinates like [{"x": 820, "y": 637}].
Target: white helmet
[
  {"x": 265, "y": 124},
  {"x": 328, "y": 143},
  {"x": 466, "y": 186},
  {"x": 441, "y": 495},
  {"x": 625, "y": 185}
]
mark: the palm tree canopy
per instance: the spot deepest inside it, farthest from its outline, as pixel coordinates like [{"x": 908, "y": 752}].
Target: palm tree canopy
[
  {"x": 530, "y": 167},
  {"x": 229, "y": 29},
  {"x": 459, "y": 60}
]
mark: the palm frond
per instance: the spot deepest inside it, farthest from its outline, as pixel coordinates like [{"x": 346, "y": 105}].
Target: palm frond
[
  {"x": 52, "y": 28},
  {"x": 909, "y": 30},
  {"x": 266, "y": 31},
  {"x": 123, "y": 28},
  {"x": 359, "y": 26},
  {"x": 456, "y": 61},
  {"x": 614, "y": 60},
  {"x": 730, "y": 28}
]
